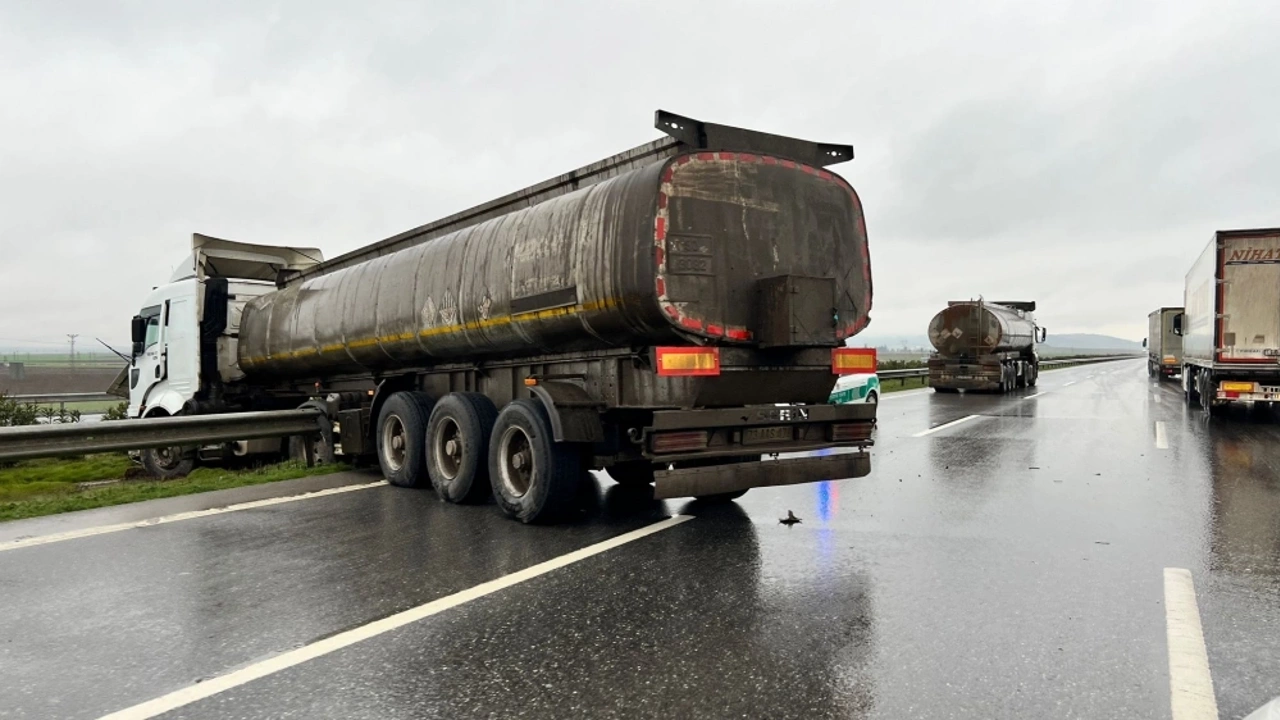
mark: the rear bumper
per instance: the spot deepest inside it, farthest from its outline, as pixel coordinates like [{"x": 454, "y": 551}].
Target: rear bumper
[
  {"x": 700, "y": 481},
  {"x": 965, "y": 381}
]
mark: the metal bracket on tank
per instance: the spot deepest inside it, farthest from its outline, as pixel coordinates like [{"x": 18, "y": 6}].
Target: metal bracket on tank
[{"x": 709, "y": 136}]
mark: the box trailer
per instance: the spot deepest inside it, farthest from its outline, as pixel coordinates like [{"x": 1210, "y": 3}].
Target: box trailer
[
  {"x": 1163, "y": 344},
  {"x": 1230, "y": 324}
]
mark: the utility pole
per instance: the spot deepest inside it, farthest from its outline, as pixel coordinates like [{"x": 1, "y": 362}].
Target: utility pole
[{"x": 73, "y": 337}]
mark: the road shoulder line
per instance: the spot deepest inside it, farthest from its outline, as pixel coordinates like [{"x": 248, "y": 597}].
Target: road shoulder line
[
  {"x": 177, "y": 517},
  {"x": 286, "y": 660},
  {"x": 1190, "y": 684}
]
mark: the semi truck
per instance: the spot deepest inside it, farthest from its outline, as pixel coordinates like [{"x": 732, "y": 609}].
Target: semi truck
[
  {"x": 984, "y": 346},
  {"x": 1163, "y": 344},
  {"x": 1230, "y": 325},
  {"x": 675, "y": 315}
]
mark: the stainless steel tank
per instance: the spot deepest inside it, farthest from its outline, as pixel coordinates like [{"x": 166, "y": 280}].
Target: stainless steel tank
[
  {"x": 977, "y": 328},
  {"x": 668, "y": 252}
]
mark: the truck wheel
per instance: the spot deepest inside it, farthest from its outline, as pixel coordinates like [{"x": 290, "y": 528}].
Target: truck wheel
[
  {"x": 632, "y": 474},
  {"x": 1189, "y": 393},
  {"x": 534, "y": 478},
  {"x": 168, "y": 463},
  {"x": 873, "y": 398},
  {"x": 401, "y": 437},
  {"x": 1204, "y": 388},
  {"x": 458, "y": 447}
]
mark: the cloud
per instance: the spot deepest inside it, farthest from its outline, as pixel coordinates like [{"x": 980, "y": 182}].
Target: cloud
[{"x": 1079, "y": 156}]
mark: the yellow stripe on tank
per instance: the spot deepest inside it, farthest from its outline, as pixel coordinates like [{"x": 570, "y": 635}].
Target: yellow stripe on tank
[{"x": 498, "y": 321}]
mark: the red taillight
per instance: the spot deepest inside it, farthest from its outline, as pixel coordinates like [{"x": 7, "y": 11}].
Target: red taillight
[
  {"x": 688, "y": 361},
  {"x": 850, "y": 432},
  {"x": 848, "y": 361},
  {"x": 679, "y": 441}
]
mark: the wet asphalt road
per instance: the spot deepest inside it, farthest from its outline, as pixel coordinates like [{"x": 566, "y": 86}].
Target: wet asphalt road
[{"x": 1008, "y": 566}]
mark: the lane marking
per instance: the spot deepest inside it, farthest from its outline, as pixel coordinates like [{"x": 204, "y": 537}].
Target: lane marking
[
  {"x": 1190, "y": 685},
  {"x": 1069, "y": 384},
  {"x": 1157, "y": 397},
  {"x": 1028, "y": 397},
  {"x": 1162, "y": 439},
  {"x": 320, "y": 648},
  {"x": 166, "y": 519},
  {"x": 944, "y": 426}
]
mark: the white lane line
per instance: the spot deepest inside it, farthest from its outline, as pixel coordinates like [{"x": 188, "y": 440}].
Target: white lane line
[
  {"x": 944, "y": 426},
  {"x": 1190, "y": 685},
  {"x": 1028, "y": 397},
  {"x": 1069, "y": 384},
  {"x": 1156, "y": 397},
  {"x": 1162, "y": 438},
  {"x": 165, "y": 519},
  {"x": 297, "y": 656}
]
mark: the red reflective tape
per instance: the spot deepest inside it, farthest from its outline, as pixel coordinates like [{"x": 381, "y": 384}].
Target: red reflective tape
[
  {"x": 660, "y": 228},
  {"x": 726, "y": 156},
  {"x": 706, "y": 156},
  {"x": 672, "y": 310},
  {"x": 748, "y": 157},
  {"x": 808, "y": 170},
  {"x": 662, "y": 201},
  {"x": 691, "y": 323},
  {"x": 659, "y": 255},
  {"x": 770, "y": 161},
  {"x": 715, "y": 330},
  {"x": 787, "y": 163},
  {"x": 737, "y": 334},
  {"x": 684, "y": 159},
  {"x": 660, "y": 284},
  {"x": 826, "y": 175}
]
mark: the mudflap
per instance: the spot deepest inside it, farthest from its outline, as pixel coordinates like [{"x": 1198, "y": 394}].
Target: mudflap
[{"x": 700, "y": 481}]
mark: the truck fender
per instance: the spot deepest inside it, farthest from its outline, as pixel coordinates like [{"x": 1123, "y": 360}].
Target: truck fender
[
  {"x": 574, "y": 414},
  {"x": 168, "y": 401}
]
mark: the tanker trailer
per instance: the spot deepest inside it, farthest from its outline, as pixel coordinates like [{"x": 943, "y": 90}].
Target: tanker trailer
[
  {"x": 981, "y": 345},
  {"x": 670, "y": 314}
]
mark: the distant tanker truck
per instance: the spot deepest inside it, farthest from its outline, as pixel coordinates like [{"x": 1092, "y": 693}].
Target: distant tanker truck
[
  {"x": 670, "y": 314},
  {"x": 984, "y": 346}
]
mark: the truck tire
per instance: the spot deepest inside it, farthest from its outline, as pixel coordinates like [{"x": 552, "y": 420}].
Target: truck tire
[
  {"x": 1033, "y": 374},
  {"x": 458, "y": 447},
  {"x": 168, "y": 463},
  {"x": 401, "y": 436},
  {"x": 1205, "y": 390},
  {"x": 1189, "y": 392},
  {"x": 535, "y": 479}
]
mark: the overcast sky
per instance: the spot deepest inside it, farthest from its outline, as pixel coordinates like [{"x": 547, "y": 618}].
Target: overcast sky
[{"x": 1077, "y": 156}]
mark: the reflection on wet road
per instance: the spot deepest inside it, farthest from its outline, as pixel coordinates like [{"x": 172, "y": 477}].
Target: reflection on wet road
[{"x": 1009, "y": 565}]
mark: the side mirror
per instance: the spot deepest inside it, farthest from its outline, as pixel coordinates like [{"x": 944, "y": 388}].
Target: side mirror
[
  {"x": 138, "y": 330},
  {"x": 1177, "y": 324},
  {"x": 1144, "y": 342},
  {"x": 1044, "y": 333}
]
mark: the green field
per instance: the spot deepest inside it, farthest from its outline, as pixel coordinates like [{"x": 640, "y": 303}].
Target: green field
[{"x": 44, "y": 487}]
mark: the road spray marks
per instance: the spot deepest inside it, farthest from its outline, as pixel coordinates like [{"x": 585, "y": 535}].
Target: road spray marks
[
  {"x": 944, "y": 426},
  {"x": 1190, "y": 685},
  {"x": 320, "y": 648},
  {"x": 166, "y": 519},
  {"x": 1162, "y": 437}
]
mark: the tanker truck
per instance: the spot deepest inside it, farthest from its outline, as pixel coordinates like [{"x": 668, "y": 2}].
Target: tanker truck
[
  {"x": 675, "y": 315},
  {"x": 984, "y": 346}
]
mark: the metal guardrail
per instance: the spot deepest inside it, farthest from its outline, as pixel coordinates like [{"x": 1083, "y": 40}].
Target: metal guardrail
[
  {"x": 920, "y": 372},
  {"x": 63, "y": 398},
  {"x": 35, "y": 441}
]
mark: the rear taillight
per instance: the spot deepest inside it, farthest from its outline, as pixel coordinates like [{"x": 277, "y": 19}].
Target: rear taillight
[
  {"x": 849, "y": 361},
  {"x": 679, "y": 441},
  {"x": 688, "y": 361},
  {"x": 850, "y": 432}
]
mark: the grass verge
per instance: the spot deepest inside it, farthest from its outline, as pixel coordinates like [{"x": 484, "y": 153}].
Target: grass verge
[
  {"x": 45, "y": 487},
  {"x": 897, "y": 385}
]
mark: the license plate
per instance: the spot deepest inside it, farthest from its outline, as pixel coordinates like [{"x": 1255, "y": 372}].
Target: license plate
[{"x": 758, "y": 436}]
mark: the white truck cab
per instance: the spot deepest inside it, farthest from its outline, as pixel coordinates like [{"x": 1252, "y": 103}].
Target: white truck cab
[{"x": 185, "y": 335}]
